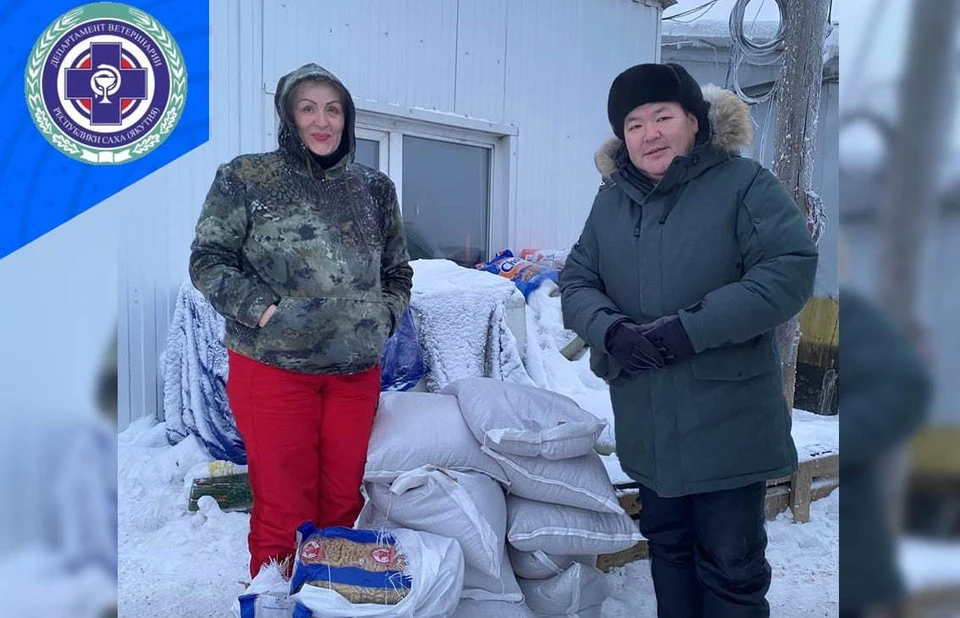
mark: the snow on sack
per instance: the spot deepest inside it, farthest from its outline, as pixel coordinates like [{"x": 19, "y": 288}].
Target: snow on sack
[
  {"x": 414, "y": 429},
  {"x": 463, "y": 325},
  {"x": 515, "y": 419}
]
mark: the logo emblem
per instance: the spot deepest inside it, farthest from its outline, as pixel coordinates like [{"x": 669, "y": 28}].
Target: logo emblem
[
  {"x": 383, "y": 556},
  {"x": 311, "y": 552},
  {"x": 106, "y": 83}
]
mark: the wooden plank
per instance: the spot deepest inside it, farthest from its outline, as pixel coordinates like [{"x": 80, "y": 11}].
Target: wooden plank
[
  {"x": 607, "y": 562},
  {"x": 820, "y": 328},
  {"x": 800, "y": 496},
  {"x": 232, "y": 492},
  {"x": 572, "y": 350},
  {"x": 822, "y": 488},
  {"x": 778, "y": 501},
  {"x": 815, "y": 470},
  {"x": 935, "y": 453}
]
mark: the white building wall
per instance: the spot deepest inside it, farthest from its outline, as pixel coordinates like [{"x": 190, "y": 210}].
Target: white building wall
[
  {"x": 159, "y": 212},
  {"x": 536, "y": 70}
]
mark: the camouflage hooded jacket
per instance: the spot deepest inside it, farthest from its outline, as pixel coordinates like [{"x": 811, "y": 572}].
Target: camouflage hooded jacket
[{"x": 326, "y": 246}]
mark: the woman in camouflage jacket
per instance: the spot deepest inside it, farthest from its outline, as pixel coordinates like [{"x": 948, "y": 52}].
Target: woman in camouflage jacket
[{"x": 302, "y": 251}]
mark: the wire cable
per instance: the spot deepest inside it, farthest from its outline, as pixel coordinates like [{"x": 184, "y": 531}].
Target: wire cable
[{"x": 760, "y": 53}]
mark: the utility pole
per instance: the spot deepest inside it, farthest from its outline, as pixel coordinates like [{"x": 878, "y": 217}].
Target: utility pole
[
  {"x": 926, "y": 104},
  {"x": 909, "y": 212},
  {"x": 798, "y": 109}
]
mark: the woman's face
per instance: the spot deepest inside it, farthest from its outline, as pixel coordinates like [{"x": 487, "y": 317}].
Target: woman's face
[{"x": 318, "y": 116}]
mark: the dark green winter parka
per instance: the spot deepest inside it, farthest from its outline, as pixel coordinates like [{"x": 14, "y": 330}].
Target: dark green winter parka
[{"x": 720, "y": 242}]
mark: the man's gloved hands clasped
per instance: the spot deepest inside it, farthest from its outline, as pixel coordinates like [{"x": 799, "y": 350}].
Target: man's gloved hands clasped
[
  {"x": 631, "y": 349},
  {"x": 649, "y": 346},
  {"x": 670, "y": 338}
]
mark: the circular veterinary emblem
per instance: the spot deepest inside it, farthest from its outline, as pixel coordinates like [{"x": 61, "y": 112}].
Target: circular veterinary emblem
[{"x": 105, "y": 83}]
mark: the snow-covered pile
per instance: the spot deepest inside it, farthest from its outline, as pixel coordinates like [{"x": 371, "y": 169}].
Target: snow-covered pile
[
  {"x": 549, "y": 369},
  {"x": 463, "y": 330},
  {"x": 463, "y": 324},
  {"x": 194, "y": 372}
]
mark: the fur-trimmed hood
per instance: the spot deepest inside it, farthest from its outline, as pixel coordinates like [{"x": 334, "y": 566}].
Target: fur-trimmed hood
[{"x": 731, "y": 128}]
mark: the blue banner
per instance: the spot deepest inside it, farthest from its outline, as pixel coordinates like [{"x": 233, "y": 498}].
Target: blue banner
[{"x": 95, "y": 96}]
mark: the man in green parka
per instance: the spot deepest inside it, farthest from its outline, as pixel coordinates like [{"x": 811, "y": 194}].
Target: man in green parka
[{"x": 689, "y": 259}]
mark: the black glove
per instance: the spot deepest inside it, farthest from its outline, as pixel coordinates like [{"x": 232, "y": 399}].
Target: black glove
[
  {"x": 670, "y": 338},
  {"x": 631, "y": 349}
]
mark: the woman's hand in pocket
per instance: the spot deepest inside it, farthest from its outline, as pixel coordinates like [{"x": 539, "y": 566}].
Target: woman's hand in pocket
[{"x": 267, "y": 315}]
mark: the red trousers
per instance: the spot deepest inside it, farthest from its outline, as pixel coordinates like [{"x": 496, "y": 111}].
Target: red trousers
[{"x": 306, "y": 438}]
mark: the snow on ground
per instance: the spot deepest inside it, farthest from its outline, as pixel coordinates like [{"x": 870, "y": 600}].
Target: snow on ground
[
  {"x": 930, "y": 564},
  {"x": 815, "y": 434},
  {"x": 174, "y": 562},
  {"x": 804, "y": 559}
]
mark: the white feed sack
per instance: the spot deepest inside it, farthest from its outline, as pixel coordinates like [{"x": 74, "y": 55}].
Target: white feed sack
[
  {"x": 515, "y": 419},
  {"x": 481, "y": 587},
  {"x": 469, "y": 608},
  {"x": 541, "y": 565},
  {"x": 464, "y": 506},
  {"x": 582, "y": 481},
  {"x": 476, "y": 586},
  {"x": 579, "y": 591},
  {"x": 567, "y": 531},
  {"x": 412, "y": 430}
]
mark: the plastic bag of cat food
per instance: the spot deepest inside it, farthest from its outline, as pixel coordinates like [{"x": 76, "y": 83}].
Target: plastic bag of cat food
[{"x": 526, "y": 275}]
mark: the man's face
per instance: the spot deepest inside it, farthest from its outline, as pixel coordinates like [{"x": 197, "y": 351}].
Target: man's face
[{"x": 655, "y": 133}]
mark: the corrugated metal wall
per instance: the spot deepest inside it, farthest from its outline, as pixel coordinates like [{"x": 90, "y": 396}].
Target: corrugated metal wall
[
  {"x": 542, "y": 66},
  {"x": 160, "y": 211}
]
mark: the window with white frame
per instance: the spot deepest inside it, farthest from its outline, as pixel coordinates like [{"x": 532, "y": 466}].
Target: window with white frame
[
  {"x": 446, "y": 181},
  {"x": 452, "y": 176}
]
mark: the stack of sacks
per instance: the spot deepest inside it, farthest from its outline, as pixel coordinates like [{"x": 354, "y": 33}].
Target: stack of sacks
[
  {"x": 426, "y": 472},
  {"x": 440, "y": 463},
  {"x": 561, "y": 509}
]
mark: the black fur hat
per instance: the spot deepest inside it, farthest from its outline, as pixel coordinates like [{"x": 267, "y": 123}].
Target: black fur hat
[{"x": 655, "y": 83}]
